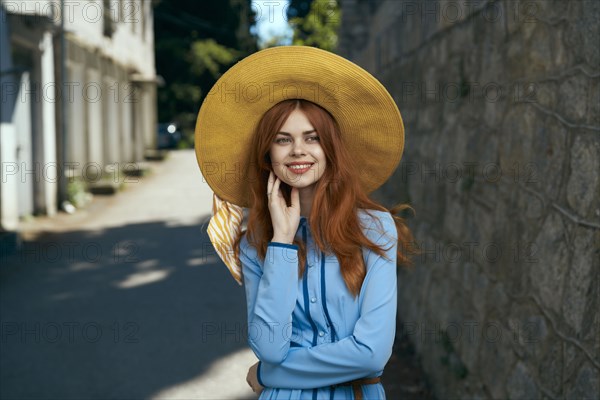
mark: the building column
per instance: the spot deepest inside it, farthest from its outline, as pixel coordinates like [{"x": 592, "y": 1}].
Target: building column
[
  {"x": 50, "y": 168},
  {"x": 145, "y": 118}
]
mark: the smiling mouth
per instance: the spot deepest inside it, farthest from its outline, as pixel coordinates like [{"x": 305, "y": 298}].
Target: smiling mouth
[{"x": 299, "y": 168}]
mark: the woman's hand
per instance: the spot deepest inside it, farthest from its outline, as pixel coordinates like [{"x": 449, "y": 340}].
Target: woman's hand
[
  {"x": 252, "y": 379},
  {"x": 285, "y": 219}
]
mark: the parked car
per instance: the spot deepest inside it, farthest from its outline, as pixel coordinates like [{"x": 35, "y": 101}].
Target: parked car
[{"x": 168, "y": 136}]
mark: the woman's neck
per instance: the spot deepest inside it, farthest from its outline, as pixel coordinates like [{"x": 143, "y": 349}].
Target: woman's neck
[{"x": 306, "y": 199}]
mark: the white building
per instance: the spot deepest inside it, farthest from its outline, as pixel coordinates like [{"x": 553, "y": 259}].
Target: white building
[{"x": 108, "y": 96}]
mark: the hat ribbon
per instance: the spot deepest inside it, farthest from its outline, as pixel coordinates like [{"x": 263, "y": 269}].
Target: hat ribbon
[{"x": 223, "y": 228}]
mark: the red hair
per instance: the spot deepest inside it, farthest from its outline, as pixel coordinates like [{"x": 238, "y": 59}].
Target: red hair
[{"x": 334, "y": 216}]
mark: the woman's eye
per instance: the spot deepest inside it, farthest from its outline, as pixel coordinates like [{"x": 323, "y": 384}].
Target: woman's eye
[
  {"x": 282, "y": 140},
  {"x": 313, "y": 139}
]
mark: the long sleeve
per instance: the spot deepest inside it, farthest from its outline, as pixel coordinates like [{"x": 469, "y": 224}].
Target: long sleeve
[
  {"x": 271, "y": 293},
  {"x": 367, "y": 350}
]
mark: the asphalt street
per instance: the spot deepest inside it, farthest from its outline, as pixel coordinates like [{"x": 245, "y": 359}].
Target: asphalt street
[{"x": 125, "y": 299}]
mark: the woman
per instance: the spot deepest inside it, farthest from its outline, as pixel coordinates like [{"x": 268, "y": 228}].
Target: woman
[{"x": 319, "y": 257}]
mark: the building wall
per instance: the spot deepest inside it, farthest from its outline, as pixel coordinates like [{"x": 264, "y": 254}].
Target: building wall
[
  {"x": 33, "y": 95},
  {"x": 109, "y": 86},
  {"x": 132, "y": 39},
  {"x": 115, "y": 63},
  {"x": 501, "y": 105}
]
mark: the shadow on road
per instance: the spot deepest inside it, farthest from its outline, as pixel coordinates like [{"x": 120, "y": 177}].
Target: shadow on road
[{"x": 124, "y": 312}]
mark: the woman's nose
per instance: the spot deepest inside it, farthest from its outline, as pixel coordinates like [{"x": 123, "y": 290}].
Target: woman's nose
[{"x": 298, "y": 148}]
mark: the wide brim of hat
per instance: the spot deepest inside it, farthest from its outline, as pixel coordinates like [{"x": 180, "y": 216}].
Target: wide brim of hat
[{"x": 368, "y": 117}]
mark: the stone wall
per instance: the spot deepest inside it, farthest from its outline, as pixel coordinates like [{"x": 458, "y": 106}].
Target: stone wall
[{"x": 501, "y": 104}]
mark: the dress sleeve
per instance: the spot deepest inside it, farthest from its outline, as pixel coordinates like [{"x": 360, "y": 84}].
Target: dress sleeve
[
  {"x": 271, "y": 293},
  {"x": 367, "y": 350}
]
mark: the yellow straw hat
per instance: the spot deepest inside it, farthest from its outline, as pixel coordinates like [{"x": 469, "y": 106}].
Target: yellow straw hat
[{"x": 369, "y": 119}]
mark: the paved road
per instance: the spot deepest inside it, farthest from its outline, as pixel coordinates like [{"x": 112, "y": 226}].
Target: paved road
[{"x": 125, "y": 300}]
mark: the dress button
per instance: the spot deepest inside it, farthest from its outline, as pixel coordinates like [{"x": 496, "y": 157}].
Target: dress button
[
  {"x": 313, "y": 299},
  {"x": 321, "y": 333}
]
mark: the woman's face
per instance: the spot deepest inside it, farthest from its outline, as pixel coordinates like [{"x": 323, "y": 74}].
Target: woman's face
[{"x": 297, "y": 156}]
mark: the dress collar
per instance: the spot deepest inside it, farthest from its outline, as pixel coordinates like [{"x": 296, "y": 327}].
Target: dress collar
[{"x": 303, "y": 223}]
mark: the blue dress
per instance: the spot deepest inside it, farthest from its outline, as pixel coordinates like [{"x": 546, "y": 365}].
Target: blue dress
[{"x": 309, "y": 333}]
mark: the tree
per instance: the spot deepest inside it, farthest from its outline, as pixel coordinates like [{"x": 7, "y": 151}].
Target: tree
[
  {"x": 319, "y": 27},
  {"x": 298, "y": 8},
  {"x": 196, "y": 42}
]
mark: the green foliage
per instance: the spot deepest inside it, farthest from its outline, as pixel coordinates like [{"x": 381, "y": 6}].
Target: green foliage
[
  {"x": 319, "y": 28},
  {"x": 208, "y": 55},
  {"x": 195, "y": 42},
  {"x": 183, "y": 92},
  {"x": 187, "y": 139},
  {"x": 77, "y": 194}
]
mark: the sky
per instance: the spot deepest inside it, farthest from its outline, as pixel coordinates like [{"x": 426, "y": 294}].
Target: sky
[{"x": 271, "y": 19}]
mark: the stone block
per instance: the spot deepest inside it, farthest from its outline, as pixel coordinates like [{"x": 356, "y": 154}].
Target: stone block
[
  {"x": 548, "y": 273},
  {"x": 586, "y": 385},
  {"x": 537, "y": 52},
  {"x": 494, "y": 110},
  {"x": 561, "y": 55},
  {"x": 497, "y": 299},
  {"x": 546, "y": 171},
  {"x": 545, "y": 93},
  {"x": 553, "y": 10},
  {"x": 469, "y": 273},
  {"x": 529, "y": 332},
  {"x": 590, "y": 32},
  {"x": 430, "y": 115},
  {"x": 440, "y": 50},
  {"x": 516, "y": 139},
  {"x": 470, "y": 67},
  {"x": 155, "y": 155},
  {"x": 482, "y": 149},
  {"x": 517, "y": 222},
  {"x": 103, "y": 187},
  {"x": 583, "y": 187},
  {"x": 514, "y": 57},
  {"x": 578, "y": 290},
  {"x": 520, "y": 384},
  {"x": 476, "y": 244},
  {"x": 592, "y": 338},
  {"x": 495, "y": 358},
  {"x": 512, "y": 260},
  {"x": 490, "y": 34},
  {"x": 461, "y": 36},
  {"x": 445, "y": 154},
  {"x": 572, "y": 356},
  {"x": 594, "y": 103},
  {"x": 469, "y": 341},
  {"x": 454, "y": 218},
  {"x": 513, "y": 15},
  {"x": 591, "y": 320},
  {"x": 429, "y": 200},
  {"x": 551, "y": 364},
  {"x": 572, "y": 98},
  {"x": 531, "y": 208},
  {"x": 439, "y": 293},
  {"x": 386, "y": 14},
  {"x": 479, "y": 293}
]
